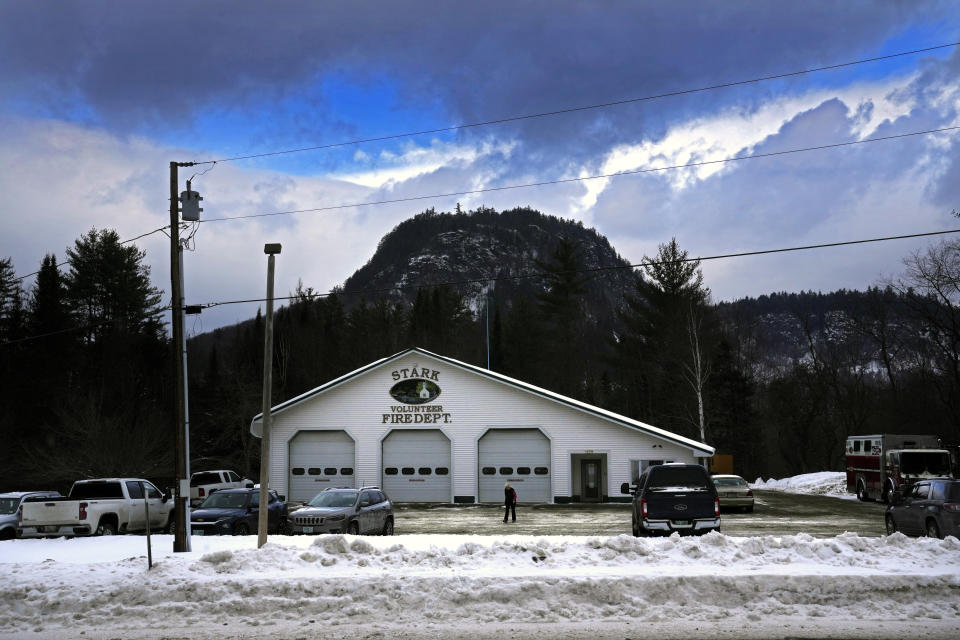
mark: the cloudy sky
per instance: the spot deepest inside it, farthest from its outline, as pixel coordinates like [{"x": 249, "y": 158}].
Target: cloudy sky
[{"x": 96, "y": 99}]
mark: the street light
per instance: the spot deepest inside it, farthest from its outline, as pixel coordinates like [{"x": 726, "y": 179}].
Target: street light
[{"x": 271, "y": 249}]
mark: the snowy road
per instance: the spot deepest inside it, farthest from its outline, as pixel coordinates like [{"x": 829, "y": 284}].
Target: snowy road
[{"x": 439, "y": 586}]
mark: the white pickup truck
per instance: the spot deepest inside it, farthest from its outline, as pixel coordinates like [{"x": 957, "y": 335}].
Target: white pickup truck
[
  {"x": 101, "y": 507},
  {"x": 203, "y": 483}
]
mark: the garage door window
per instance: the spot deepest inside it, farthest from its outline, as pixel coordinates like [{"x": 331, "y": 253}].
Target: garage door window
[
  {"x": 506, "y": 471},
  {"x": 346, "y": 471},
  {"x": 489, "y": 471},
  {"x": 330, "y": 471},
  {"x": 523, "y": 471},
  {"x": 313, "y": 471},
  {"x": 442, "y": 471},
  {"x": 541, "y": 471},
  {"x": 424, "y": 471},
  {"x": 297, "y": 471},
  {"x": 390, "y": 471},
  {"x": 408, "y": 471}
]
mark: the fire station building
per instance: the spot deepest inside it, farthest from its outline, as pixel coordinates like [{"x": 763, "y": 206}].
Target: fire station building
[{"x": 427, "y": 428}]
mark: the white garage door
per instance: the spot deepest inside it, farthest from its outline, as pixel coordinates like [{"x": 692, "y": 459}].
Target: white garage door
[
  {"x": 518, "y": 456},
  {"x": 416, "y": 466},
  {"x": 318, "y": 460}
]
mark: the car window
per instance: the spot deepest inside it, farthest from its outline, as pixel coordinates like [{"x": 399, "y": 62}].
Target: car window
[
  {"x": 939, "y": 491},
  {"x": 95, "y": 490},
  {"x": 223, "y": 500},
  {"x": 953, "y": 492},
  {"x": 334, "y": 499},
  {"x": 9, "y": 505},
  {"x": 135, "y": 490},
  {"x": 366, "y": 499},
  {"x": 204, "y": 477},
  {"x": 920, "y": 491},
  {"x": 663, "y": 478},
  {"x": 233, "y": 477},
  {"x": 152, "y": 492},
  {"x": 729, "y": 482}
]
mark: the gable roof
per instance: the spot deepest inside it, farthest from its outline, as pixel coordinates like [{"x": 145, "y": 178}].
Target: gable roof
[{"x": 698, "y": 448}]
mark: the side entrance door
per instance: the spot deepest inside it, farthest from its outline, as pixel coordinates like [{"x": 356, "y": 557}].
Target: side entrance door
[{"x": 590, "y": 480}]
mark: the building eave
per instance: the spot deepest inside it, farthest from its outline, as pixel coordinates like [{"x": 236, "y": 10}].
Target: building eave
[{"x": 699, "y": 449}]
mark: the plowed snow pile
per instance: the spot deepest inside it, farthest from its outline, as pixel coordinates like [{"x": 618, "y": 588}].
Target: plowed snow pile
[{"x": 458, "y": 586}]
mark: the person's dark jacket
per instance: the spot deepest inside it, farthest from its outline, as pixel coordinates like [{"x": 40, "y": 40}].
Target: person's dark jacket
[{"x": 509, "y": 496}]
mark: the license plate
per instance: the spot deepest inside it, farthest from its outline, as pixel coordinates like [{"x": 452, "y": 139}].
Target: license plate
[
  {"x": 308, "y": 529},
  {"x": 681, "y": 522},
  {"x": 198, "y": 532}
]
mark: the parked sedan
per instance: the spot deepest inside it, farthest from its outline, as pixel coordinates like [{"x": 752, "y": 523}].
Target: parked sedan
[
  {"x": 733, "y": 491},
  {"x": 927, "y": 507},
  {"x": 356, "y": 511},
  {"x": 236, "y": 512}
]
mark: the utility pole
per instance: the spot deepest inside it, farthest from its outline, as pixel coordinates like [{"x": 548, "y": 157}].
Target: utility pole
[
  {"x": 182, "y": 494},
  {"x": 271, "y": 250}
]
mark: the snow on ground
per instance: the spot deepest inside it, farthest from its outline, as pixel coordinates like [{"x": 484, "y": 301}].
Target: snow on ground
[
  {"x": 823, "y": 483},
  {"x": 440, "y": 586}
]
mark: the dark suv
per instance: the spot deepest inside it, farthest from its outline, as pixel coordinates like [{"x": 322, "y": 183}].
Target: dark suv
[
  {"x": 927, "y": 507},
  {"x": 674, "y": 497},
  {"x": 356, "y": 511}
]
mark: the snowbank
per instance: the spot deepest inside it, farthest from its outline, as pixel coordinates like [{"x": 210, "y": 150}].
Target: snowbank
[
  {"x": 60, "y": 588},
  {"x": 823, "y": 483}
]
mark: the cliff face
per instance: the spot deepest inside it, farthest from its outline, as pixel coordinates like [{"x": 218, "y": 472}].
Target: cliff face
[{"x": 489, "y": 252}]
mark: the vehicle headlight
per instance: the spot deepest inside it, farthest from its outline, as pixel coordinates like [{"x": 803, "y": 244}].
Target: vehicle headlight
[
  {"x": 336, "y": 518},
  {"x": 224, "y": 524}
]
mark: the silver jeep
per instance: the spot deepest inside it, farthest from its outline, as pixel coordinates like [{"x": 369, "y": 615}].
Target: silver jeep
[{"x": 367, "y": 510}]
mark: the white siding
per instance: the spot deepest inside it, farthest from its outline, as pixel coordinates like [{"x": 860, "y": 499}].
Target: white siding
[{"x": 473, "y": 404}]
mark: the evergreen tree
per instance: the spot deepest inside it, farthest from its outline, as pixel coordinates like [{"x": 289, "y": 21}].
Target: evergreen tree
[
  {"x": 565, "y": 319},
  {"x": 108, "y": 284},
  {"x": 654, "y": 348}
]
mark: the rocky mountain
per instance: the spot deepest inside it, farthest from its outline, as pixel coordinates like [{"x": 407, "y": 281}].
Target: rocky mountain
[{"x": 487, "y": 253}]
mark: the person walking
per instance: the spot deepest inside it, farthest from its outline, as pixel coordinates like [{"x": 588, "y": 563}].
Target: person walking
[{"x": 509, "y": 502}]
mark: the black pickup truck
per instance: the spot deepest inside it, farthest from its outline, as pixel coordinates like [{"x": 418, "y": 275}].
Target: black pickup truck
[{"x": 674, "y": 497}]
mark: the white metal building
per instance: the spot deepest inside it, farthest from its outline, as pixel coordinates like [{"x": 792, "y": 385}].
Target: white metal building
[{"x": 428, "y": 428}]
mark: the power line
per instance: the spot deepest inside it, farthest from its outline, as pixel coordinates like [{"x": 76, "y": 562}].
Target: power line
[
  {"x": 525, "y": 276},
  {"x": 541, "y": 274},
  {"x": 80, "y": 328},
  {"x": 778, "y": 76},
  {"x": 60, "y": 264},
  {"x": 584, "y": 178}
]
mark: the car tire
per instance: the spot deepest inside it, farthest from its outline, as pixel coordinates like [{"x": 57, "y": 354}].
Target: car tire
[
  {"x": 354, "y": 528},
  {"x": 635, "y": 527},
  {"x": 241, "y": 529},
  {"x": 106, "y": 529},
  {"x": 891, "y": 525},
  {"x": 388, "y": 527},
  {"x": 933, "y": 529}
]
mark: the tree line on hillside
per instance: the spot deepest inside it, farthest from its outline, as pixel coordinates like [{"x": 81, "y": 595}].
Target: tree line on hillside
[{"x": 777, "y": 381}]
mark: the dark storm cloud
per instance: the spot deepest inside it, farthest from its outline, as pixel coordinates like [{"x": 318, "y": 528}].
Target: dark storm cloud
[{"x": 139, "y": 64}]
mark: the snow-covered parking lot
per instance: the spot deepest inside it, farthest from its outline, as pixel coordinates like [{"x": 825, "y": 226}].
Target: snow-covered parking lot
[{"x": 484, "y": 586}]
